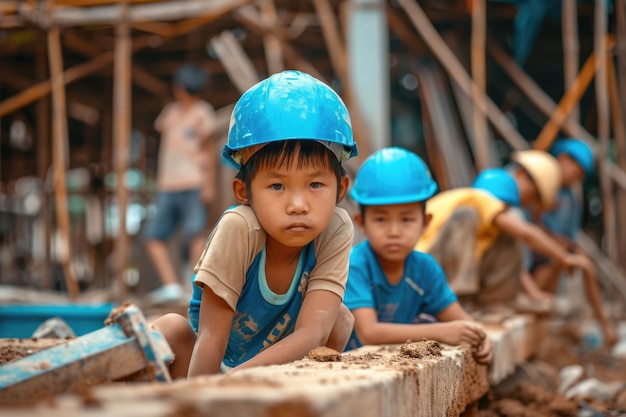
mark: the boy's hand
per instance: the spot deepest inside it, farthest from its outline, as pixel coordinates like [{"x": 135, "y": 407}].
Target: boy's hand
[
  {"x": 574, "y": 260},
  {"x": 463, "y": 331},
  {"x": 610, "y": 337},
  {"x": 484, "y": 354}
]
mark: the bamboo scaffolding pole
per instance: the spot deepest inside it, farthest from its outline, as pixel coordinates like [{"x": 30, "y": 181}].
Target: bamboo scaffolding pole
[
  {"x": 77, "y": 72},
  {"x": 238, "y": 65},
  {"x": 534, "y": 93},
  {"x": 479, "y": 87},
  {"x": 569, "y": 18},
  {"x": 273, "y": 48},
  {"x": 59, "y": 157},
  {"x": 44, "y": 88},
  {"x": 452, "y": 65},
  {"x": 602, "y": 107},
  {"x": 122, "y": 111},
  {"x": 333, "y": 40},
  {"x": 42, "y": 120},
  {"x": 141, "y": 77},
  {"x": 336, "y": 46},
  {"x": 620, "y": 12},
  {"x": 108, "y": 15},
  {"x": 607, "y": 269},
  {"x": 571, "y": 97},
  {"x": 619, "y": 134}
]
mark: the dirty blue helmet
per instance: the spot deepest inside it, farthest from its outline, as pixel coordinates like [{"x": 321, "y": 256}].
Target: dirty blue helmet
[
  {"x": 393, "y": 176},
  {"x": 288, "y": 105},
  {"x": 499, "y": 183},
  {"x": 578, "y": 149}
]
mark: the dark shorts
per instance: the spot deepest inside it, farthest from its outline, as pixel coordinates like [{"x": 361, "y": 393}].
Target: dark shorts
[{"x": 174, "y": 209}]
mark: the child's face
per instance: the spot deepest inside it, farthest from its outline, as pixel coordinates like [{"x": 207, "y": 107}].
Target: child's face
[
  {"x": 529, "y": 194},
  {"x": 393, "y": 230},
  {"x": 293, "y": 205},
  {"x": 571, "y": 172}
]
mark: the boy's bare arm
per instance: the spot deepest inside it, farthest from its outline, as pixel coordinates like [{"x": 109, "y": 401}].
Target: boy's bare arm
[
  {"x": 214, "y": 325},
  {"x": 371, "y": 331},
  {"x": 315, "y": 321},
  {"x": 540, "y": 241},
  {"x": 531, "y": 235},
  {"x": 211, "y": 162}
]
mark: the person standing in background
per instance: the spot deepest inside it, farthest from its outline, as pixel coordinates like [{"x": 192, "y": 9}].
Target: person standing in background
[{"x": 186, "y": 179}]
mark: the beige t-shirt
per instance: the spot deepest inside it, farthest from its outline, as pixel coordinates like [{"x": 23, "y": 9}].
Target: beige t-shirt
[
  {"x": 238, "y": 238},
  {"x": 183, "y": 131}
]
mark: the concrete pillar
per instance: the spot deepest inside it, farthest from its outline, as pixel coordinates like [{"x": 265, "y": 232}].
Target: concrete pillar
[{"x": 368, "y": 62}]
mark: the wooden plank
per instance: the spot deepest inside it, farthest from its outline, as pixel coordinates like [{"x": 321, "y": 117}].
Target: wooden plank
[
  {"x": 454, "y": 68},
  {"x": 82, "y": 70},
  {"x": 44, "y": 88},
  {"x": 619, "y": 132},
  {"x": 59, "y": 157},
  {"x": 122, "y": 111},
  {"x": 602, "y": 108},
  {"x": 335, "y": 44},
  {"x": 534, "y": 93},
  {"x": 336, "y": 47},
  {"x": 140, "y": 77},
  {"x": 466, "y": 107},
  {"x": 108, "y": 15},
  {"x": 42, "y": 132},
  {"x": 370, "y": 381},
  {"x": 237, "y": 64},
  {"x": 450, "y": 146},
  {"x": 569, "y": 100},
  {"x": 620, "y": 19},
  {"x": 611, "y": 276},
  {"x": 91, "y": 3},
  {"x": 569, "y": 19},
  {"x": 479, "y": 86},
  {"x": 273, "y": 48}
]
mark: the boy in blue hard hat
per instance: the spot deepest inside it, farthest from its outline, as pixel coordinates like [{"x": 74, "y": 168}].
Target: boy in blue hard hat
[
  {"x": 390, "y": 284},
  {"x": 478, "y": 240},
  {"x": 270, "y": 282},
  {"x": 564, "y": 220},
  {"x": 501, "y": 184}
]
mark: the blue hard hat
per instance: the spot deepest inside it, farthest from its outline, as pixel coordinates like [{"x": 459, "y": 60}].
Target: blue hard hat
[
  {"x": 578, "y": 149},
  {"x": 393, "y": 176},
  {"x": 499, "y": 183},
  {"x": 289, "y": 105}
]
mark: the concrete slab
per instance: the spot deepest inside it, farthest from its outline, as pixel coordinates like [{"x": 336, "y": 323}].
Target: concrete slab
[{"x": 371, "y": 381}]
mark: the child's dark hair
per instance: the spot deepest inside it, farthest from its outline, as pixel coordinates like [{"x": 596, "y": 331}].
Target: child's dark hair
[
  {"x": 283, "y": 153},
  {"x": 191, "y": 78},
  {"x": 363, "y": 207}
]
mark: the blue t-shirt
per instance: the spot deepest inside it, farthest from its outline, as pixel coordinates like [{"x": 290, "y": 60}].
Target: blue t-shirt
[
  {"x": 262, "y": 317},
  {"x": 232, "y": 266},
  {"x": 566, "y": 218},
  {"x": 423, "y": 290}
]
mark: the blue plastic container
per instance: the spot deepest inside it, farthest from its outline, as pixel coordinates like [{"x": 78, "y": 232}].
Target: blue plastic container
[{"x": 21, "y": 320}]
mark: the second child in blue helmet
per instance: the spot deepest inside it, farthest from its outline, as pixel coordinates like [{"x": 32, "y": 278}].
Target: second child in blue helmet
[
  {"x": 390, "y": 284},
  {"x": 270, "y": 282}
]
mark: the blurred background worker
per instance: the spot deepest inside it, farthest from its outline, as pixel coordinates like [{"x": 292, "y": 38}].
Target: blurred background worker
[
  {"x": 564, "y": 222},
  {"x": 478, "y": 240},
  {"x": 185, "y": 179}
]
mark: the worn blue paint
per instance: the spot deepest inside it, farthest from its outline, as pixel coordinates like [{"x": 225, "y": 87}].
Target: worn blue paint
[{"x": 127, "y": 330}]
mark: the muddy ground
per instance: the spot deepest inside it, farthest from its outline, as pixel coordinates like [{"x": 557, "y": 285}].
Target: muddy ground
[{"x": 534, "y": 389}]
